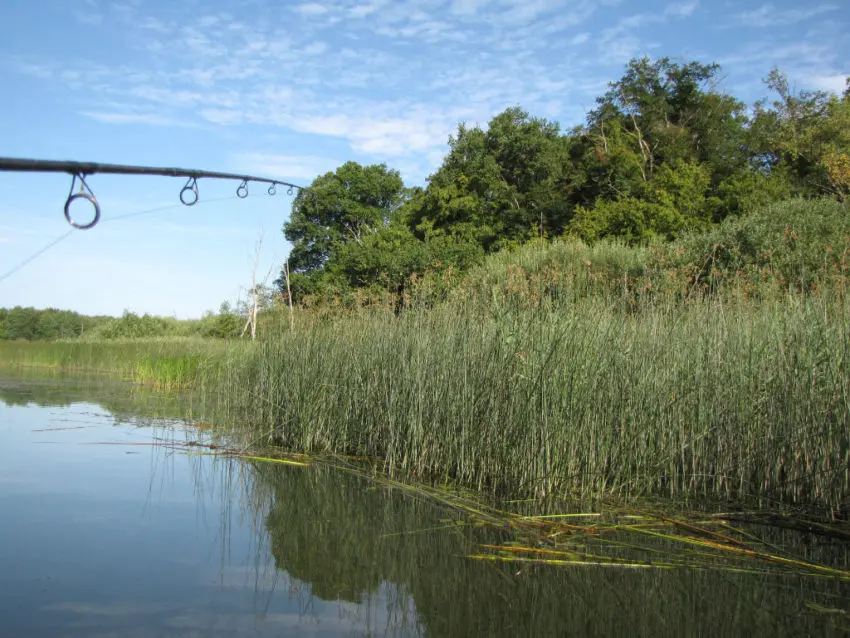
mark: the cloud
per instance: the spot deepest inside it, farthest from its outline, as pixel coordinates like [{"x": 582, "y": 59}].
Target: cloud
[
  {"x": 35, "y": 70},
  {"x": 276, "y": 166},
  {"x": 315, "y": 48},
  {"x": 622, "y": 42},
  {"x": 379, "y": 134},
  {"x": 619, "y": 43},
  {"x": 88, "y": 18},
  {"x": 366, "y": 9},
  {"x": 312, "y": 9},
  {"x": 467, "y": 7},
  {"x": 767, "y": 53},
  {"x": 525, "y": 11},
  {"x": 835, "y": 83},
  {"x": 151, "y": 119},
  {"x": 224, "y": 117},
  {"x": 681, "y": 9},
  {"x": 392, "y": 79},
  {"x": 769, "y": 16}
]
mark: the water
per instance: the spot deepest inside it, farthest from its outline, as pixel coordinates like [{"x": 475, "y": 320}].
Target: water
[{"x": 103, "y": 534}]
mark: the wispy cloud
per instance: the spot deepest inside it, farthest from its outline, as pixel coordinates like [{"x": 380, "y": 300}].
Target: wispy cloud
[
  {"x": 300, "y": 167},
  {"x": 226, "y": 72},
  {"x": 468, "y": 7},
  {"x": 627, "y": 38},
  {"x": 681, "y": 9},
  {"x": 769, "y": 16},
  {"x": 312, "y": 9},
  {"x": 390, "y": 79},
  {"x": 150, "y": 119},
  {"x": 835, "y": 83},
  {"x": 89, "y": 18}
]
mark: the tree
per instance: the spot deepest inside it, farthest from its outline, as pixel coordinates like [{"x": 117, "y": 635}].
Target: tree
[
  {"x": 660, "y": 113},
  {"x": 21, "y": 323},
  {"x": 338, "y": 208},
  {"x": 804, "y": 138},
  {"x": 261, "y": 295},
  {"x": 495, "y": 187},
  {"x": 226, "y": 324}
]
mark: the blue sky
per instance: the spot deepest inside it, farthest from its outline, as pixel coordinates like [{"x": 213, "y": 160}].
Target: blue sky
[{"x": 294, "y": 89}]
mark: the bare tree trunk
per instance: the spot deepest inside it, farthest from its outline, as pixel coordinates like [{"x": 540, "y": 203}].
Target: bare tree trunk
[
  {"x": 258, "y": 291},
  {"x": 289, "y": 296},
  {"x": 252, "y": 313}
]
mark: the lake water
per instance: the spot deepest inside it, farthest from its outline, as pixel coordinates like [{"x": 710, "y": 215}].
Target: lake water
[{"x": 104, "y": 534}]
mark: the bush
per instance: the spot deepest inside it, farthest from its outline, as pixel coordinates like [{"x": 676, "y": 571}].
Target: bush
[{"x": 794, "y": 244}]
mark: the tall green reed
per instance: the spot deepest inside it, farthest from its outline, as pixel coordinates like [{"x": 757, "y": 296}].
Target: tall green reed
[{"x": 713, "y": 400}]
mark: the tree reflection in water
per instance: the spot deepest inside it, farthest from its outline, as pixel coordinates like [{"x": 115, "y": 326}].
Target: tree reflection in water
[{"x": 347, "y": 538}]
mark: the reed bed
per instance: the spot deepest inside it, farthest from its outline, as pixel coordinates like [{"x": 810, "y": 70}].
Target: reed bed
[
  {"x": 706, "y": 401},
  {"x": 637, "y": 537},
  {"x": 710, "y": 401}
]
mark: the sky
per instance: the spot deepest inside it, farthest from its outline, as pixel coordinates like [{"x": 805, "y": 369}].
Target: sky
[{"x": 291, "y": 90}]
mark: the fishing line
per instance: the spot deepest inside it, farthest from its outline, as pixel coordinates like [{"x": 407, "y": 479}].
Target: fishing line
[
  {"x": 164, "y": 208},
  {"x": 34, "y": 255},
  {"x": 61, "y": 238}
]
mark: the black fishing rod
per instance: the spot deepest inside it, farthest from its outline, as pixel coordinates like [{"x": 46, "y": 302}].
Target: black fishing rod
[{"x": 79, "y": 170}]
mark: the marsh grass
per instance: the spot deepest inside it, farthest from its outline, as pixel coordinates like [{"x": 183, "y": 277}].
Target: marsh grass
[
  {"x": 715, "y": 371},
  {"x": 708, "y": 402},
  {"x": 164, "y": 363}
]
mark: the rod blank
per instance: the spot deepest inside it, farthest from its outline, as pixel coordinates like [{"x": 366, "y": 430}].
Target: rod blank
[
  {"x": 91, "y": 168},
  {"x": 79, "y": 170}
]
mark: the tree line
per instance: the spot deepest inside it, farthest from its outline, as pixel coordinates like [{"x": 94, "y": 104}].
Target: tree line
[
  {"x": 49, "y": 324},
  {"x": 664, "y": 152},
  {"x": 33, "y": 324}
]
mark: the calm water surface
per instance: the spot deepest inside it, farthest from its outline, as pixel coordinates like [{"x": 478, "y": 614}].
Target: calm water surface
[{"x": 102, "y": 534}]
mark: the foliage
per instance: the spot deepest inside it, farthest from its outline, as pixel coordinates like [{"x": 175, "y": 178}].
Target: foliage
[
  {"x": 226, "y": 324},
  {"x": 33, "y": 324},
  {"x": 496, "y": 187},
  {"x": 797, "y": 244},
  {"x": 804, "y": 137},
  {"x": 708, "y": 400},
  {"x": 30, "y": 324},
  {"x": 339, "y": 208},
  {"x": 664, "y": 152},
  {"x": 709, "y": 368},
  {"x": 659, "y": 120}
]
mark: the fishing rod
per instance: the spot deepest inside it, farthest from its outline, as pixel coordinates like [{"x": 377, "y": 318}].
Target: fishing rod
[{"x": 80, "y": 170}]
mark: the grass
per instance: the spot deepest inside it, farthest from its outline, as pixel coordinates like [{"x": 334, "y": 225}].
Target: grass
[
  {"x": 594, "y": 372},
  {"x": 708, "y": 402},
  {"x": 165, "y": 363}
]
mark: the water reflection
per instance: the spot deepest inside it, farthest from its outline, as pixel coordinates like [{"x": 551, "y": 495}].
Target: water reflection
[
  {"x": 338, "y": 533},
  {"x": 94, "y": 541}
]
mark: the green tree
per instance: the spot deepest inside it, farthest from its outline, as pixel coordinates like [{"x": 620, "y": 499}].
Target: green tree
[
  {"x": 225, "y": 324},
  {"x": 339, "y": 208},
  {"x": 660, "y": 114},
  {"x": 496, "y": 187},
  {"x": 21, "y": 323},
  {"x": 804, "y": 137}
]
